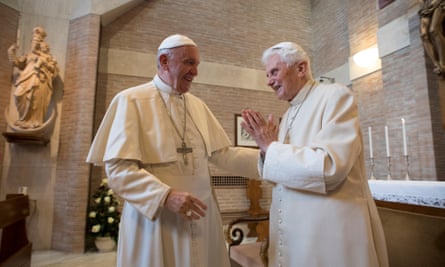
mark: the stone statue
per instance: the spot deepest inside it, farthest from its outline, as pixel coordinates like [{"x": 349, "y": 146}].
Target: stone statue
[
  {"x": 432, "y": 22},
  {"x": 33, "y": 86}
]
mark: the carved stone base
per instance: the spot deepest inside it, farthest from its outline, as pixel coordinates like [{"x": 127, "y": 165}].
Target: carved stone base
[{"x": 25, "y": 138}]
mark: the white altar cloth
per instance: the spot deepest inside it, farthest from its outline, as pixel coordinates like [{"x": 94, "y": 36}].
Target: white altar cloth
[{"x": 424, "y": 193}]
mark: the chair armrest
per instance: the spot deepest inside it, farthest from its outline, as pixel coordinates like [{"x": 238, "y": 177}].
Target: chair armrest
[{"x": 235, "y": 235}]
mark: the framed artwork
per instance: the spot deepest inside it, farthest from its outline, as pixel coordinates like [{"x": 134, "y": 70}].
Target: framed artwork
[{"x": 242, "y": 138}]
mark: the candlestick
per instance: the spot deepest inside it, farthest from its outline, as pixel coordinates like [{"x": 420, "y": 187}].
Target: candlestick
[
  {"x": 371, "y": 154},
  {"x": 388, "y": 152},
  {"x": 388, "y": 162},
  {"x": 405, "y": 148},
  {"x": 407, "y": 168},
  {"x": 372, "y": 176}
]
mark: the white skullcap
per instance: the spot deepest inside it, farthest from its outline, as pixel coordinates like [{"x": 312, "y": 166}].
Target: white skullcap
[
  {"x": 176, "y": 40},
  {"x": 288, "y": 46}
]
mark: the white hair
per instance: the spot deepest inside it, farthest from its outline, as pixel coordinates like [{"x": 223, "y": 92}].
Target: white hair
[{"x": 289, "y": 52}]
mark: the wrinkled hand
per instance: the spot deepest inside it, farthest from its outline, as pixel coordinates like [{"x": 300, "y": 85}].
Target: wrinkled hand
[
  {"x": 185, "y": 204},
  {"x": 263, "y": 131}
]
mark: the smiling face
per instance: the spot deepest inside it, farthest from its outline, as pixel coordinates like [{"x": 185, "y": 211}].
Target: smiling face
[
  {"x": 179, "y": 67},
  {"x": 285, "y": 80}
]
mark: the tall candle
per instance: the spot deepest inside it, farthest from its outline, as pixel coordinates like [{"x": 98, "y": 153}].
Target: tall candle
[
  {"x": 371, "y": 155},
  {"x": 405, "y": 148},
  {"x": 388, "y": 153}
]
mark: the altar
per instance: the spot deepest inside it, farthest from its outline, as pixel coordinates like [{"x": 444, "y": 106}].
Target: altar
[
  {"x": 413, "y": 219},
  {"x": 423, "y": 193}
]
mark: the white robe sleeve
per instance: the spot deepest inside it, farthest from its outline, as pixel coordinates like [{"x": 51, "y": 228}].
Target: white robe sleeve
[
  {"x": 137, "y": 186},
  {"x": 331, "y": 147},
  {"x": 238, "y": 160}
]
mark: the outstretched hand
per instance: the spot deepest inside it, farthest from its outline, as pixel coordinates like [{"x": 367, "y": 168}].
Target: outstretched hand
[
  {"x": 263, "y": 131},
  {"x": 185, "y": 204}
]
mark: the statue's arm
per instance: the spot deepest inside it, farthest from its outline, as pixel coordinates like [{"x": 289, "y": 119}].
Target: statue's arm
[{"x": 14, "y": 60}]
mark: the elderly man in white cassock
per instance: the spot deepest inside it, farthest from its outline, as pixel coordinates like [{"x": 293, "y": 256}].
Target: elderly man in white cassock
[
  {"x": 156, "y": 140},
  {"x": 322, "y": 212}
]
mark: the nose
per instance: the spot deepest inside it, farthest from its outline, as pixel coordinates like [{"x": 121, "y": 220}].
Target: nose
[
  {"x": 194, "y": 71},
  {"x": 270, "y": 82}
]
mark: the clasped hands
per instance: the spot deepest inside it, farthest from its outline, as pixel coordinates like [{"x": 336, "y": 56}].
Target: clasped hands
[
  {"x": 263, "y": 131},
  {"x": 185, "y": 204}
]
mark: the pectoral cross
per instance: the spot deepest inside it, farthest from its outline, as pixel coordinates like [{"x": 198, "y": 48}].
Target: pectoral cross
[{"x": 184, "y": 150}]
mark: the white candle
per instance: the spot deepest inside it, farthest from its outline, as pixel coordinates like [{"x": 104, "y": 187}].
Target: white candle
[
  {"x": 388, "y": 153},
  {"x": 405, "y": 148},
  {"x": 371, "y": 155}
]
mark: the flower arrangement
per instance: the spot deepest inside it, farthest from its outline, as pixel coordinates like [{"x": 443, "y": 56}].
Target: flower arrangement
[{"x": 104, "y": 216}]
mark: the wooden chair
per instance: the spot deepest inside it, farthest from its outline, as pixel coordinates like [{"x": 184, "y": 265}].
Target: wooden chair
[
  {"x": 15, "y": 248},
  {"x": 250, "y": 254}
]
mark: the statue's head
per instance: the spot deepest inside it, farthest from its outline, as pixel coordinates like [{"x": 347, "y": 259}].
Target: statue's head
[{"x": 39, "y": 32}]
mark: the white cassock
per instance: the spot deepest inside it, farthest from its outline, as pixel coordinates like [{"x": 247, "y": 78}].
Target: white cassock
[
  {"x": 137, "y": 142},
  {"x": 322, "y": 211}
]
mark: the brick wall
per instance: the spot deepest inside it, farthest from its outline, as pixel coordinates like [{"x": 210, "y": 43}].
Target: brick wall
[
  {"x": 330, "y": 40},
  {"x": 227, "y": 32},
  {"x": 403, "y": 88},
  {"x": 72, "y": 175},
  {"x": 9, "y": 20}
]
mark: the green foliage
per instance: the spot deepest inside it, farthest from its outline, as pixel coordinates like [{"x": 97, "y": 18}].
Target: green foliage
[{"x": 103, "y": 214}]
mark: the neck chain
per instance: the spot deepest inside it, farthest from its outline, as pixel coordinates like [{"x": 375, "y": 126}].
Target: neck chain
[
  {"x": 183, "y": 149},
  {"x": 290, "y": 123}
]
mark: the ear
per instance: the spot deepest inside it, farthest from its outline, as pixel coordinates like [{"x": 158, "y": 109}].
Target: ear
[
  {"x": 163, "y": 61},
  {"x": 302, "y": 68}
]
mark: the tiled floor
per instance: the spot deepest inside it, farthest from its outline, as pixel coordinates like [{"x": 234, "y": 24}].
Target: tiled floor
[
  {"x": 62, "y": 259},
  {"x": 51, "y": 258}
]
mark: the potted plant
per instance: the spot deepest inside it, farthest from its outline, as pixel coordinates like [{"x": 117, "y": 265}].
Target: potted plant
[{"x": 103, "y": 218}]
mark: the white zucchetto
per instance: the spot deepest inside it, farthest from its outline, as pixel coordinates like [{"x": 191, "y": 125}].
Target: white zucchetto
[{"x": 176, "y": 40}]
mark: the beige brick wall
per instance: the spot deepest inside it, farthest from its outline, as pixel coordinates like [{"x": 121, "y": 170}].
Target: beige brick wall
[
  {"x": 404, "y": 87},
  {"x": 72, "y": 183},
  {"x": 9, "y": 22},
  {"x": 228, "y": 32}
]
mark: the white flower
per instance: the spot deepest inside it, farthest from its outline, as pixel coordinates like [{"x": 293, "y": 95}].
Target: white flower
[
  {"x": 110, "y": 192},
  {"x": 95, "y": 228},
  {"x": 107, "y": 199},
  {"x": 104, "y": 181},
  {"x": 111, "y": 209},
  {"x": 110, "y": 220},
  {"x": 98, "y": 200},
  {"x": 92, "y": 214}
]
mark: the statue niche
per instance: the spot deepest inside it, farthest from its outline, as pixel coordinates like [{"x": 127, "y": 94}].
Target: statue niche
[{"x": 32, "y": 80}]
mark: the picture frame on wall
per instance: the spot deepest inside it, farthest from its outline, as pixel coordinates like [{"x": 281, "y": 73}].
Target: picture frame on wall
[{"x": 242, "y": 137}]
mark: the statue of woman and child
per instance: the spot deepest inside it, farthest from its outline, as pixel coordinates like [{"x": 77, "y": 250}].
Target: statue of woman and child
[{"x": 33, "y": 83}]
